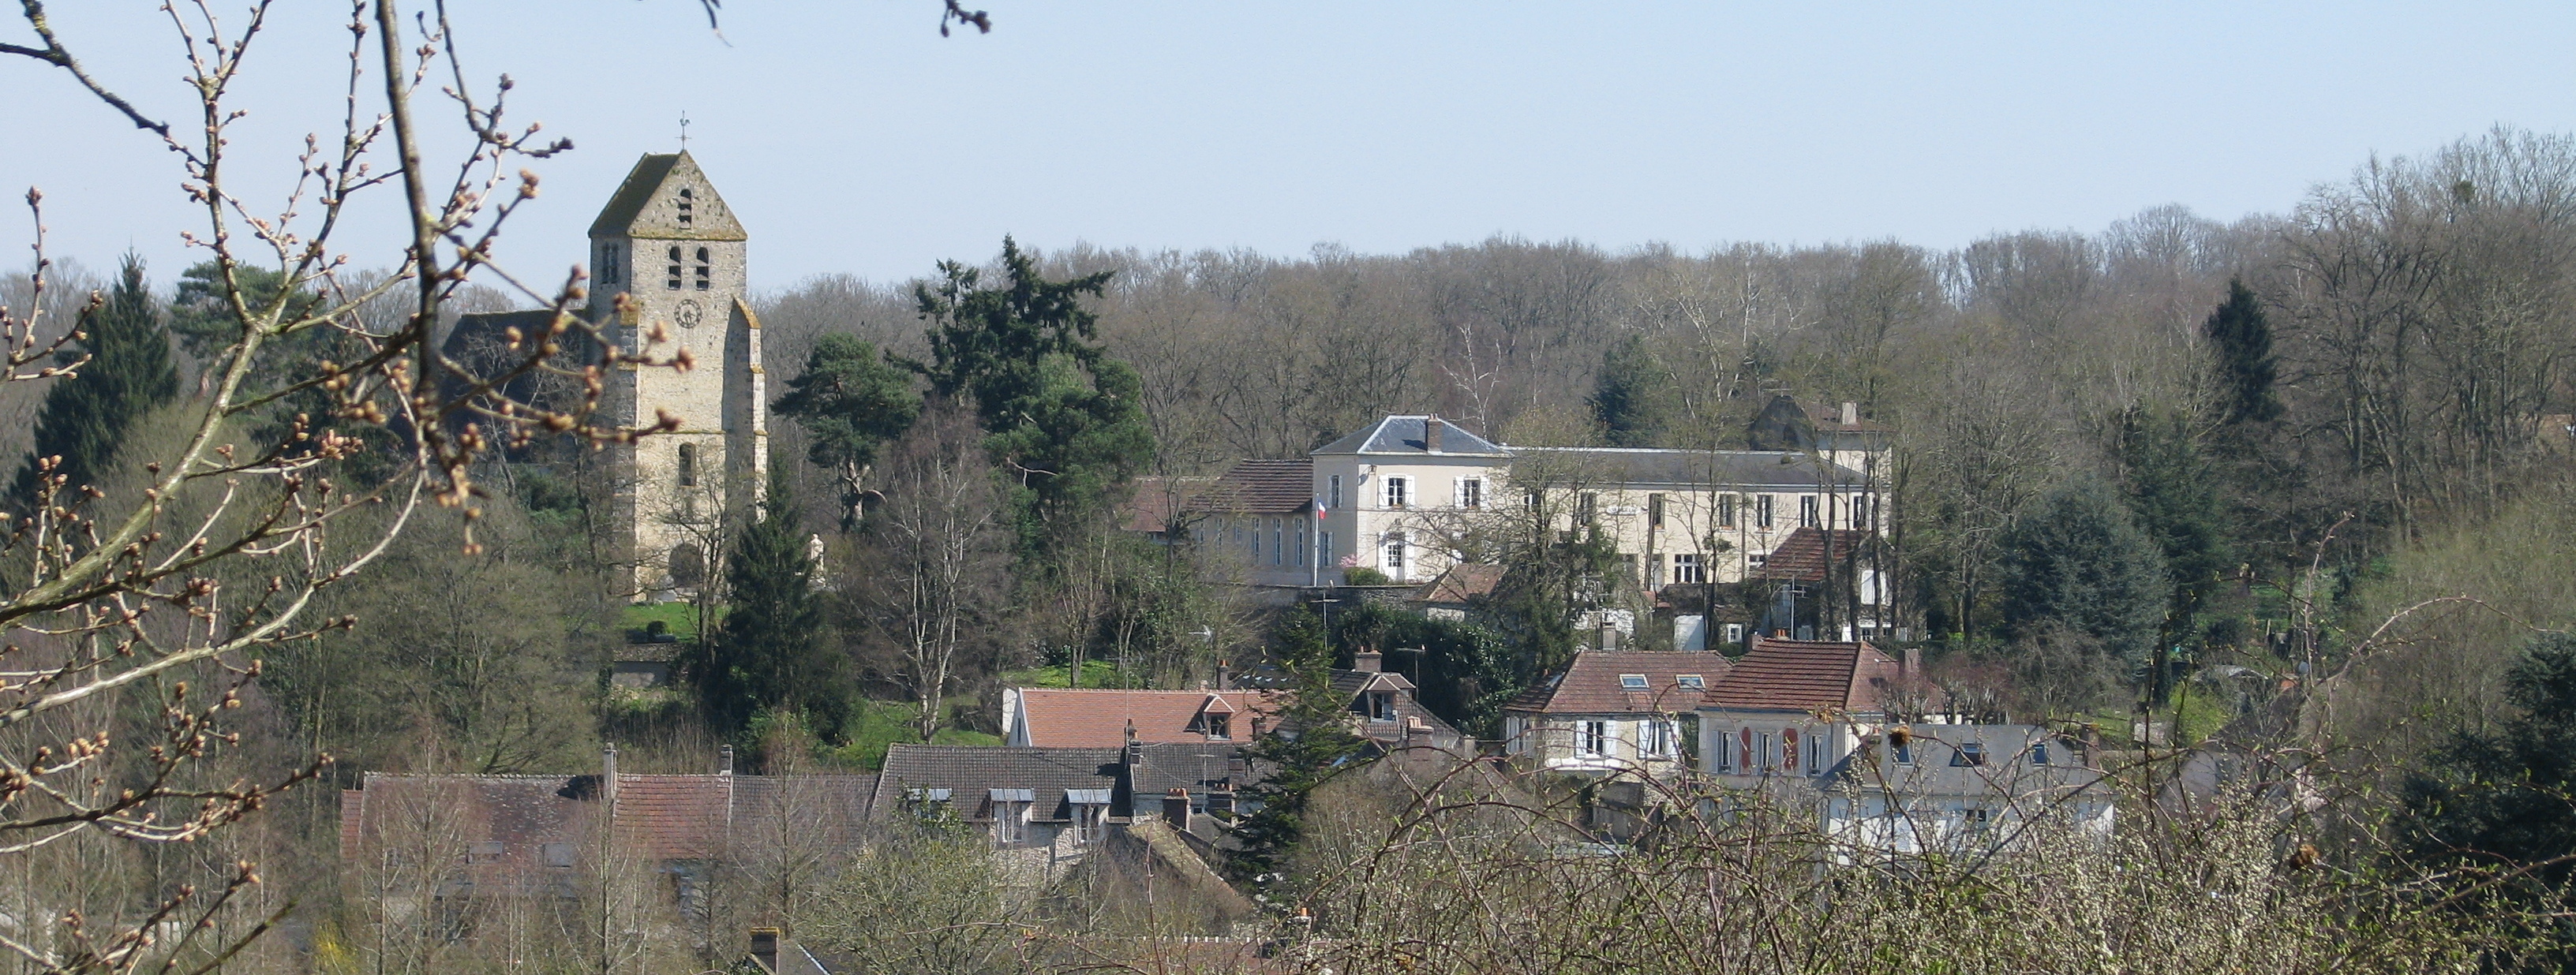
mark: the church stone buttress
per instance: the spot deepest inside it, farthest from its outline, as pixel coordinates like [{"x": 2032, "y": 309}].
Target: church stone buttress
[{"x": 669, "y": 243}]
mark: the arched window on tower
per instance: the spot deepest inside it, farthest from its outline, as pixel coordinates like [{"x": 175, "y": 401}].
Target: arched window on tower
[
  {"x": 608, "y": 262},
  {"x": 688, "y": 465},
  {"x": 674, "y": 282},
  {"x": 688, "y": 206},
  {"x": 706, "y": 269}
]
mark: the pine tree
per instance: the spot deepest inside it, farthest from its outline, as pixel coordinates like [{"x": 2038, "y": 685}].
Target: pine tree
[
  {"x": 1067, "y": 421},
  {"x": 129, "y": 373},
  {"x": 1312, "y": 746},
  {"x": 2243, "y": 342},
  {"x": 2496, "y": 799},
  {"x": 1629, "y": 398},
  {"x": 768, "y": 653},
  {"x": 2075, "y": 557},
  {"x": 850, "y": 402},
  {"x": 2173, "y": 492}
]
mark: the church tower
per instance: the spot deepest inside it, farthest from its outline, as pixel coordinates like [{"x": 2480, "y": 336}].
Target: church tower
[{"x": 669, "y": 243}]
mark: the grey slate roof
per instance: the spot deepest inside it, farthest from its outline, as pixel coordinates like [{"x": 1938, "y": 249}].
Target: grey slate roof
[
  {"x": 1690, "y": 468},
  {"x": 1198, "y": 767},
  {"x": 1406, "y": 435},
  {"x": 632, "y": 212},
  {"x": 970, "y": 773}
]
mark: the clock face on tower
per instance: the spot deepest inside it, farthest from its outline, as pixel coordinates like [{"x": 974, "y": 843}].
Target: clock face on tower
[{"x": 690, "y": 312}]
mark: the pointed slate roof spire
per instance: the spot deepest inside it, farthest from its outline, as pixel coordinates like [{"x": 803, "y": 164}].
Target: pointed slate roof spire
[{"x": 647, "y": 204}]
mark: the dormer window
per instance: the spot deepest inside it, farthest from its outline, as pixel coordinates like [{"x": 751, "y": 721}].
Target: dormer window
[
  {"x": 688, "y": 206},
  {"x": 2039, "y": 752},
  {"x": 1381, "y": 705},
  {"x": 1220, "y": 726},
  {"x": 1632, "y": 682},
  {"x": 1971, "y": 754},
  {"x": 705, "y": 269},
  {"x": 674, "y": 278},
  {"x": 1691, "y": 682}
]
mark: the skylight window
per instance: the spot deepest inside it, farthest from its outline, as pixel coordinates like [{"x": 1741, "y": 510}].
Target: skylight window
[
  {"x": 1632, "y": 682},
  {"x": 1691, "y": 681}
]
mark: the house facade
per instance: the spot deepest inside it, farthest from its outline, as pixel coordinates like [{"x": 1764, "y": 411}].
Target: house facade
[
  {"x": 1931, "y": 788},
  {"x": 1614, "y": 714},
  {"x": 1398, "y": 495},
  {"x": 1789, "y": 711}
]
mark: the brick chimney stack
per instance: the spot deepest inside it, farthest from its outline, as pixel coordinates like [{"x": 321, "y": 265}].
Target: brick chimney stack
[
  {"x": 724, "y": 760},
  {"x": 1176, "y": 808},
  {"x": 1367, "y": 661},
  {"x": 1431, "y": 433}
]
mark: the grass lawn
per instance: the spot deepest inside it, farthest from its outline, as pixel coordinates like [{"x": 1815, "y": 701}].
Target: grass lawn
[
  {"x": 679, "y": 617},
  {"x": 1095, "y": 673},
  {"x": 876, "y": 725}
]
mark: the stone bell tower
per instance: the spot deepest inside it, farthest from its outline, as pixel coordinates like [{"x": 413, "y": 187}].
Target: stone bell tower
[{"x": 669, "y": 243}]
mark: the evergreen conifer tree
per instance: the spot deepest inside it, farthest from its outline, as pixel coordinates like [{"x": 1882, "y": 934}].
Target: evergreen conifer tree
[
  {"x": 2173, "y": 492},
  {"x": 2242, "y": 339},
  {"x": 1312, "y": 746},
  {"x": 768, "y": 653},
  {"x": 2495, "y": 799},
  {"x": 850, "y": 402},
  {"x": 1628, "y": 399},
  {"x": 129, "y": 373},
  {"x": 2075, "y": 557},
  {"x": 1066, "y": 421}
]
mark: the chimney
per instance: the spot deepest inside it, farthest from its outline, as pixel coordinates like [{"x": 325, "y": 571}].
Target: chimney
[
  {"x": 1135, "y": 749},
  {"x": 1224, "y": 677},
  {"x": 764, "y": 948},
  {"x": 1851, "y": 413},
  {"x": 724, "y": 760},
  {"x": 1780, "y": 634},
  {"x": 1176, "y": 808},
  {"x": 1367, "y": 661},
  {"x": 608, "y": 777},
  {"x": 1431, "y": 433}
]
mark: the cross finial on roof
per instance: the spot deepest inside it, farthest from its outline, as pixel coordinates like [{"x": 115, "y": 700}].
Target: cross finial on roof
[{"x": 684, "y": 131}]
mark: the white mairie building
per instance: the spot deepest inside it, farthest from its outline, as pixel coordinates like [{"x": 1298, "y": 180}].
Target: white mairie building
[
  {"x": 669, "y": 246},
  {"x": 1397, "y": 494}
]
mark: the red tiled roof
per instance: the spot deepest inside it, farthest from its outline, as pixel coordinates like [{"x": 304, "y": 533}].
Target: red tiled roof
[
  {"x": 1097, "y": 718},
  {"x": 1591, "y": 685},
  {"x": 1262, "y": 487},
  {"x": 1464, "y": 581},
  {"x": 1805, "y": 675},
  {"x": 1801, "y": 556}
]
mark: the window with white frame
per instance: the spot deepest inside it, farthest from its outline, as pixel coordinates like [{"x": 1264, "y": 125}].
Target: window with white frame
[
  {"x": 1011, "y": 814},
  {"x": 1806, "y": 511},
  {"x": 1765, "y": 757},
  {"x": 1592, "y": 738},
  {"x": 1303, "y": 553},
  {"x": 1397, "y": 491},
  {"x": 1256, "y": 542},
  {"x": 1278, "y": 542},
  {"x": 1632, "y": 682},
  {"x": 1815, "y": 754},
  {"x": 1726, "y": 504},
  {"x": 1723, "y": 758},
  {"x": 1687, "y": 569},
  {"x": 1333, "y": 493},
  {"x": 1762, "y": 511},
  {"x": 1969, "y": 754},
  {"x": 1391, "y": 558},
  {"x": 1661, "y": 738},
  {"x": 1690, "y": 682},
  {"x": 1324, "y": 542},
  {"x": 1471, "y": 492}
]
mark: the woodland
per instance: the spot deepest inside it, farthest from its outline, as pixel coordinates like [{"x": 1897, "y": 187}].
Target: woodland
[{"x": 2302, "y": 484}]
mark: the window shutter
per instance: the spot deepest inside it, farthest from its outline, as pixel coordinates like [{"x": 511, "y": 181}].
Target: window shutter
[{"x": 1458, "y": 492}]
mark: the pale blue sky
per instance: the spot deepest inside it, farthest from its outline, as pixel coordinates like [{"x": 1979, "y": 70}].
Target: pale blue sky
[{"x": 850, "y": 137}]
